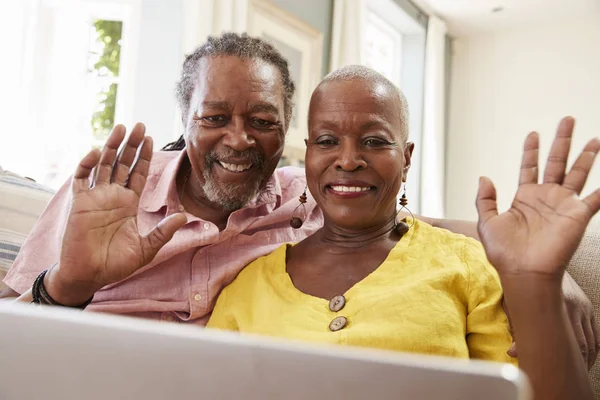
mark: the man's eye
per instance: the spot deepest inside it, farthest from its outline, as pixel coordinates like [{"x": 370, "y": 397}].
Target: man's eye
[
  {"x": 261, "y": 123},
  {"x": 214, "y": 119},
  {"x": 326, "y": 142}
]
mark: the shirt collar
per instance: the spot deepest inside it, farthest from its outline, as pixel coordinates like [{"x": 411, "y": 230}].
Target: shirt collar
[{"x": 164, "y": 193}]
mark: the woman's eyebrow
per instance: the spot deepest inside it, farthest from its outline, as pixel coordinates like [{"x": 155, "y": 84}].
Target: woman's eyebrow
[{"x": 376, "y": 123}]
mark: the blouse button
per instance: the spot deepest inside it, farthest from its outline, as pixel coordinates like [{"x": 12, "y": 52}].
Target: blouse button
[
  {"x": 337, "y": 324},
  {"x": 337, "y": 303}
]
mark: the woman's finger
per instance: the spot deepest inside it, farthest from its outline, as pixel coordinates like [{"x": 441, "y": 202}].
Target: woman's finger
[
  {"x": 81, "y": 178},
  {"x": 557, "y": 159},
  {"x": 486, "y": 200},
  {"x": 529, "y": 163},
  {"x": 109, "y": 155},
  {"x": 127, "y": 156},
  {"x": 593, "y": 202},
  {"x": 577, "y": 176},
  {"x": 137, "y": 178}
]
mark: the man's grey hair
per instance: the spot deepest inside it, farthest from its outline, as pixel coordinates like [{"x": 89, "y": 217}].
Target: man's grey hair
[
  {"x": 360, "y": 72},
  {"x": 238, "y": 45}
]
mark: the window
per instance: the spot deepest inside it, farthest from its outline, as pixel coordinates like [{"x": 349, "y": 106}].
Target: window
[
  {"x": 71, "y": 80},
  {"x": 383, "y": 48},
  {"x": 394, "y": 46},
  {"x": 104, "y": 61}
]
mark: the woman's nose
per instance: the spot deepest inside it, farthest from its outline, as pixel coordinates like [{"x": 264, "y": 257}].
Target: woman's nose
[
  {"x": 350, "y": 159},
  {"x": 237, "y": 136}
]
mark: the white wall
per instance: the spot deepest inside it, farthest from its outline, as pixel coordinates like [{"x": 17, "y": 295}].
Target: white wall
[{"x": 507, "y": 84}]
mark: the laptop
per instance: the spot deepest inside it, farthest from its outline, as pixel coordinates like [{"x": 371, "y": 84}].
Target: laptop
[{"x": 52, "y": 353}]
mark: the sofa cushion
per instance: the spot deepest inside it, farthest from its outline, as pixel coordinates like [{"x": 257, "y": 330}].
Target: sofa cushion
[
  {"x": 585, "y": 269},
  {"x": 21, "y": 203}
]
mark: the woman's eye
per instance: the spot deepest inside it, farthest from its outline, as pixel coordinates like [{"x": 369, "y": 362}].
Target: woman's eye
[
  {"x": 326, "y": 142},
  {"x": 372, "y": 142}
]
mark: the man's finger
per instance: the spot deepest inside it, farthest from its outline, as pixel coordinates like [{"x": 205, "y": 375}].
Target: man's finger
[
  {"x": 127, "y": 156},
  {"x": 81, "y": 178},
  {"x": 579, "y": 335},
  {"x": 596, "y": 337},
  {"x": 512, "y": 350},
  {"x": 109, "y": 155},
  {"x": 577, "y": 176},
  {"x": 137, "y": 178},
  {"x": 160, "y": 235},
  {"x": 590, "y": 345},
  {"x": 529, "y": 163},
  {"x": 557, "y": 159}
]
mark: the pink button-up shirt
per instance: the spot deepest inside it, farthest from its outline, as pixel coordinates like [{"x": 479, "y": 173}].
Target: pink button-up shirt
[{"x": 184, "y": 280}]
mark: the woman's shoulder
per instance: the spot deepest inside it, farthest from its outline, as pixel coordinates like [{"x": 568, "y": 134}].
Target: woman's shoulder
[
  {"x": 444, "y": 243},
  {"x": 426, "y": 235}
]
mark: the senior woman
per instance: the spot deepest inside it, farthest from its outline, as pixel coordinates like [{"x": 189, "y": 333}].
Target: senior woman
[{"x": 357, "y": 281}]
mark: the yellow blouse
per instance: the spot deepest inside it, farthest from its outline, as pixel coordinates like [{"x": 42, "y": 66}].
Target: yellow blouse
[{"x": 435, "y": 293}]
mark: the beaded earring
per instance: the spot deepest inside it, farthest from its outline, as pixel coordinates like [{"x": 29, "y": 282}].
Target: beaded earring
[
  {"x": 404, "y": 206},
  {"x": 296, "y": 222}
]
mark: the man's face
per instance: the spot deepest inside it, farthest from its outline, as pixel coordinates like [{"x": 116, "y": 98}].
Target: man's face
[{"x": 235, "y": 128}]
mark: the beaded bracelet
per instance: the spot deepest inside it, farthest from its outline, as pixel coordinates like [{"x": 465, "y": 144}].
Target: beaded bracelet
[{"x": 41, "y": 296}]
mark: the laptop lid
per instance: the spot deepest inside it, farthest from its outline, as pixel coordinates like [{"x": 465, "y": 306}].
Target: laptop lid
[{"x": 52, "y": 353}]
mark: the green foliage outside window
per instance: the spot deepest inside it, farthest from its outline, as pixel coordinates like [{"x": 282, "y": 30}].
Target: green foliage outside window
[{"x": 109, "y": 38}]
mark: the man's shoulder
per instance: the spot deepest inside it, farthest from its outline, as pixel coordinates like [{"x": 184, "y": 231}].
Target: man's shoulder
[
  {"x": 160, "y": 159},
  {"x": 292, "y": 181},
  {"x": 287, "y": 175}
]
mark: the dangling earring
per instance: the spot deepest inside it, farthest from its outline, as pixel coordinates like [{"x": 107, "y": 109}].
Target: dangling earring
[
  {"x": 404, "y": 206},
  {"x": 296, "y": 222}
]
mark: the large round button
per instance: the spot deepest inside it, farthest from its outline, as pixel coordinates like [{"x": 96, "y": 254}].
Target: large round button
[
  {"x": 337, "y": 303},
  {"x": 337, "y": 324}
]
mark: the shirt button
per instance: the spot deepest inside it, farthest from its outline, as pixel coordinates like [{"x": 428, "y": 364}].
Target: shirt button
[
  {"x": 337, "y": 303},
  {"x": 206, "y": 225},
  {"x": 169, "y": 318},
  {"x": 337, "y": 324},
  {"x": 197, "y": 297}
]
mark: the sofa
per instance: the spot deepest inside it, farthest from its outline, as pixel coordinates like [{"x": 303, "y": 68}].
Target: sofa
[
  {"x": 585, "y": 269},
  {"x": 22, "y": 201}
]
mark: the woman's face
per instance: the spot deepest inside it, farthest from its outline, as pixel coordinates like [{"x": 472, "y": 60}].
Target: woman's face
[{"x": 357, "y": 156}]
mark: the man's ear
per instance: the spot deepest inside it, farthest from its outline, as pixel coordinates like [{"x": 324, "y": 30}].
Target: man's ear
[{"x": 408, "y": 151}]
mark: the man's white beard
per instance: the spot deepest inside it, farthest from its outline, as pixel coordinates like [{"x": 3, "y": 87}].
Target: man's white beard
[{"x": 229, "y": 196}]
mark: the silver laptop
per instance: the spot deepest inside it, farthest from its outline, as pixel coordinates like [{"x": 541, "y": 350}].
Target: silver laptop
[{"x": 50, "y": 353}]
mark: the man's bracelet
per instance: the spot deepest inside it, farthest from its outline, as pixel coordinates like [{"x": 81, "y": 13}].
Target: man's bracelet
[{"x": 41, "y": 296}]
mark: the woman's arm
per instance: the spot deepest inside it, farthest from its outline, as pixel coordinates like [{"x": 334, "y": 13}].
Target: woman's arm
[
  {"x": 540, "y": 324},
  {"x": 530, "y": 246},
  {"x": 579, "y": 307}
]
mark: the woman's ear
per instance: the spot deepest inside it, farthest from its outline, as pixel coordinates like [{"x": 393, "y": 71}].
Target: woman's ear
[{"x": 408, "y": 151}]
